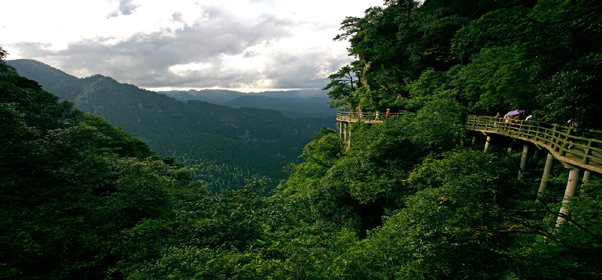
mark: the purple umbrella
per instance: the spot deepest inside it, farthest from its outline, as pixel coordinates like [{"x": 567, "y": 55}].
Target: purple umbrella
[{"x": 515, "y": 112}]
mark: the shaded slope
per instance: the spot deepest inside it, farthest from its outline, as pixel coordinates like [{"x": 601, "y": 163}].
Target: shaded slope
[
  {"x": 247, "y": 139},
  {"x": 313, "y": 111}
]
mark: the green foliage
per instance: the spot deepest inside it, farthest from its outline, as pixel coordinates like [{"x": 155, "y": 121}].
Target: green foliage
[
  {"x": 117, "y": 141},
  {"x": 249, "y": 141},
  {"x": 402, "y": 200},
  {"x": 68, "y": 189},
  {"x": 489, "y": 56},
  {"x": 342, "y": 85}
]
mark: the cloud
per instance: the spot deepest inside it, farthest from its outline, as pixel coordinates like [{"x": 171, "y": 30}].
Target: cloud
[
  {"x": 126, "y": 7},
  {"x": 232, "y": 44}
]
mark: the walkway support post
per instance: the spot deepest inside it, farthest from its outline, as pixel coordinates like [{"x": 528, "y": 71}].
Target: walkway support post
[
  {"x": 586, "y": 175},
  {"x": 341, "y": 129},
  {"x": 536, "y": 154},
  {"x": 571, "y": 187},
  {"x": 524, "y": 160},
  {"x": 546, "y": 174},
  {"x": 349, "y": 140},
  {"x": 345, "y": 132},
  {"x": 487, "y": 143}
]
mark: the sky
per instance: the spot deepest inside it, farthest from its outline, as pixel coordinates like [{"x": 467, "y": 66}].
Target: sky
[{"x": 245, "y": 45}]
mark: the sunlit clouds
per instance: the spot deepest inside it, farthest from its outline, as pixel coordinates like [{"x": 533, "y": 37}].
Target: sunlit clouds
[{"x": 234, "y": 44}]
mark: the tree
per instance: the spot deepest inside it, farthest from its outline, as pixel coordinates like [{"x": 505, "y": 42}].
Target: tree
[
  {"x": 342, "y": 87},
  {"x": 68, "y": 190}
]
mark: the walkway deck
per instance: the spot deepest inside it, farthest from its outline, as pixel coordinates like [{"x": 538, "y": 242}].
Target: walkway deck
[
  {"x": 585, "y": 150},
  {"x": 582, "y": 151}
]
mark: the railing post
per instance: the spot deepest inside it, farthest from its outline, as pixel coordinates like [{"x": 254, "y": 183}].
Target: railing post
[
  {"x": 588, "y": 152},
  {"x": 565, "y": 144},
  {"x": 554, "y": 144}
]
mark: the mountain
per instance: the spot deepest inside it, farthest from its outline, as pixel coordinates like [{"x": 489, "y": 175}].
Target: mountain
[
  {"x": 309, "y": 106},
  {"x": 215, "y": 96},
  {"x": 313, "y": 111},
  {"x": 220, "y": 96},
  {"x": 52, "y": 79},
  {"x": 295, "y": 94},
  {"x": 244, "y": 141}
]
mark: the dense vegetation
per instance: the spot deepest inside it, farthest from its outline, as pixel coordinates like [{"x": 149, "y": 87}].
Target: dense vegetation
[
  {"x": 309, "y": 106},
  {"x": 313, "y": 111},
  {"x": 226, "y": 144},
  {"x": 404, "y": 201},
  {"x": 488, "y": 56}
]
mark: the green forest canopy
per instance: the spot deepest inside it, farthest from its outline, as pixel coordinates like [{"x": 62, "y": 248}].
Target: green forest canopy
[
  {"x": 488, "y": 56},
  {"x": 224, "y": 144},
  {"x": 403, "y": 202}
]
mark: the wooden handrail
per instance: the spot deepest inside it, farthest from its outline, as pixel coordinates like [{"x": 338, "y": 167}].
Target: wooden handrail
[{"x": 583, "y": 150}]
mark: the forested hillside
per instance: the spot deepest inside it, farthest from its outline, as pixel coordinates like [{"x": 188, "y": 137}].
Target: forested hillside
[
  {"x": 405, "y": 200},
  {"x": 488, "y": 56},
  {"x": 313, "y": 111},
  {"x": 228, "y": 145},
  {"x": 215, "y": 96},
  {"x": 309, "y": 106}
]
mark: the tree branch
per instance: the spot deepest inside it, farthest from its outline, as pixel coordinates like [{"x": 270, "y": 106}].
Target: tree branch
[{"x": 570, "y": 220}]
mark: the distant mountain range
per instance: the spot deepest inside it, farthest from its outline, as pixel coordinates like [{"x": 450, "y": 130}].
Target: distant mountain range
[
  {"x": 310, "y": 106},
  {"x": 227, "y": 144}
]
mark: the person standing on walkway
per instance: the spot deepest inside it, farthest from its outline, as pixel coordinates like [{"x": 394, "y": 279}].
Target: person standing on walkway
[
  {"x": 377, "y": 118},
  {"x": 388, "y": 111}
]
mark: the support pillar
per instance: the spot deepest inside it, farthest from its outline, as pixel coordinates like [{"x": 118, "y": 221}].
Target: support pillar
[
  {"x": 345, "y": 132},
  {"x": 524, "y": 160},
  {"x": 487, "y": 143},
  {"x": 586, "y": 175},
  {"x": 536, "y": 155},
  {"x": 546, "y": 174},
  {"x": 341, "y": 129},
  {"x": 571, "y": 187},
  {"x": 349, "y": 140}
]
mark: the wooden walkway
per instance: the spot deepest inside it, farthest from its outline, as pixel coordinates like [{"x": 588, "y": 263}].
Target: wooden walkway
[
  {"x": 582, "y": 151},
  {"x": 352, "y": 117},
  {"x": 567, "y": 144}
]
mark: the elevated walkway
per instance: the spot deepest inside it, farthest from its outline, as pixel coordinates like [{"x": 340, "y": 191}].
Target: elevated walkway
[
  {"x": 582, "y": 151},
  {"x": 567, "y": 144},
  {"x": 576, "y": 149}
]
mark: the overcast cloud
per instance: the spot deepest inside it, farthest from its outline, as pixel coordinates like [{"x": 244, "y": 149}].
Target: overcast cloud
[{"x": 235, "y": 44}]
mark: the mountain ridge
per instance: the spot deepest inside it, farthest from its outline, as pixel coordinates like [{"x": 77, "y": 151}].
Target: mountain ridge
[{"x": 264, "y": 140}]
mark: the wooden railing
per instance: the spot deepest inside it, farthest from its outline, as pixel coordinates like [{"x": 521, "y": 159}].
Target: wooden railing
[
  {"x": 570, "y": 143},
  {"x": 347, "y": 116}
]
